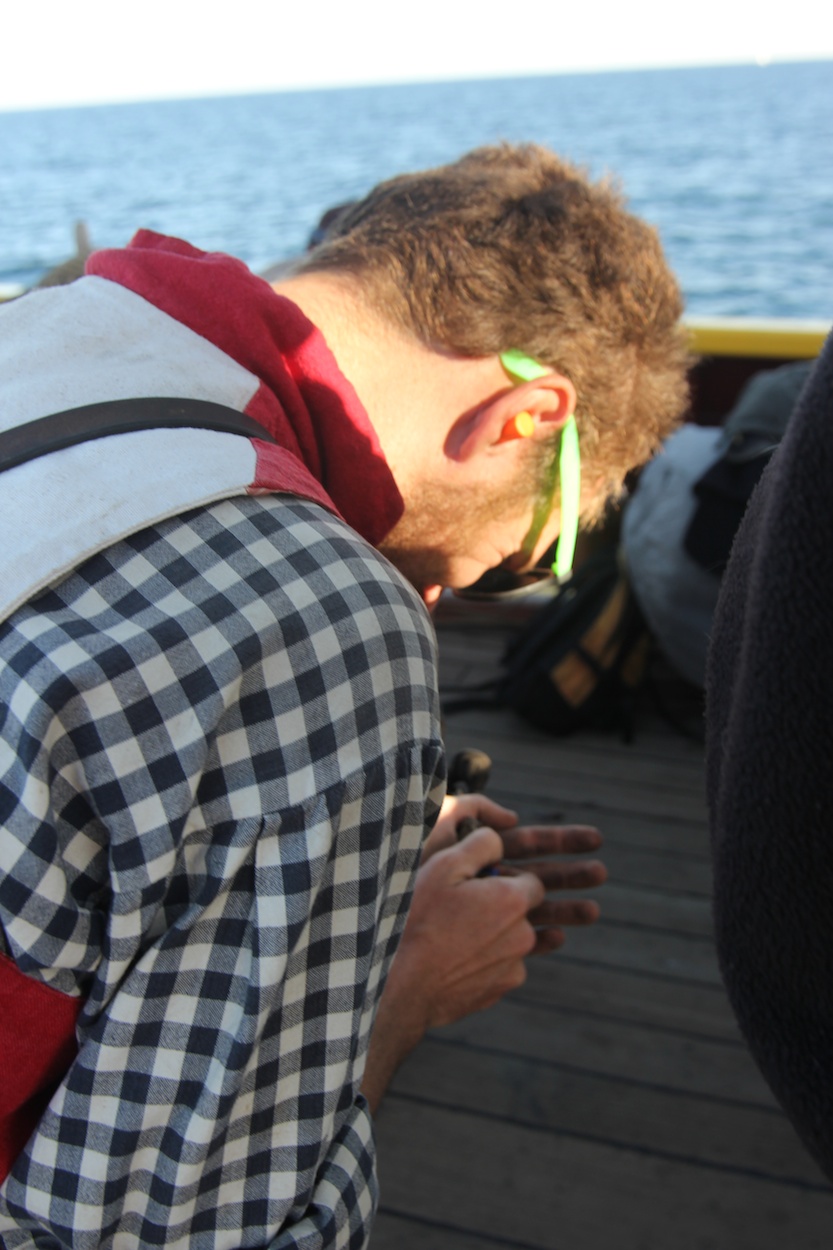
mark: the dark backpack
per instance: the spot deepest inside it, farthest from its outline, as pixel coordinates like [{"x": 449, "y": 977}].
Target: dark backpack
[{"x": 580, "y": 661}]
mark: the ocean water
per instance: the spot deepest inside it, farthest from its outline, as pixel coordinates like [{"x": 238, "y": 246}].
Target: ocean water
[{"x": 734, "y": 165}]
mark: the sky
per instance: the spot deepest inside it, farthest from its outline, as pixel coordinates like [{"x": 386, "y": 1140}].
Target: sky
[{"x": 65, "y": 52}]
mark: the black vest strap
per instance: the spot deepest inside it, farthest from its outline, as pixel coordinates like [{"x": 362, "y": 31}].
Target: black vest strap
[{"x": 120, "y": 416}]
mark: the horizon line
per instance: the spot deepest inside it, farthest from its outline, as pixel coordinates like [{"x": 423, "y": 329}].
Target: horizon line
[{"x": 230, "y": 93}]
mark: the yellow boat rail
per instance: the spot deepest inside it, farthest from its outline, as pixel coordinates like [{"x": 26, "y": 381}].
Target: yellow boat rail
[{"x": 775, "y": 337}]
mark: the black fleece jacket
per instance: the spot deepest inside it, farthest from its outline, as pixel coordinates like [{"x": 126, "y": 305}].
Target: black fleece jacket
[{"x": 770, "y": 769}]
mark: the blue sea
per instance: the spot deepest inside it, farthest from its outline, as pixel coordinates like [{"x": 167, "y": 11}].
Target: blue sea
[{"x": 733, "y": 164}]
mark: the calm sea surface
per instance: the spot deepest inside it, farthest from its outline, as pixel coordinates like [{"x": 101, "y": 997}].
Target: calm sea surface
[{"x": 733, "y": 164}]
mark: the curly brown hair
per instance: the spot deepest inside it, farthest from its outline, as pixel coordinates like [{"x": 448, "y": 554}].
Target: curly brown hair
[{"x": 512, "y": 247}]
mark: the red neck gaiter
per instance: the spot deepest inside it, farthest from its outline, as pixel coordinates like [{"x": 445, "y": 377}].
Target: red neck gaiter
[{"x": 304, "y": 400}]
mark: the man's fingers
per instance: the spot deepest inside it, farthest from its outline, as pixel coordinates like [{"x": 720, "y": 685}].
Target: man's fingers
[
  {"x": 547, "y": 940},
  {"x": 530, "y": 889},
  {"x": 585, "y": 874},
  {"x": 484, "y": 811},
  {"x": 477, "y": 851},
  {"x": 527, "y": 841},
  {"x": 558, "y": 912}
]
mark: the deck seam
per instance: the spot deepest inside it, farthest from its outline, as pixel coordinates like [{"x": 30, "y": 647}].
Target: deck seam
[
  {"x": 518, "y": 997},
  {"x": 675, "y": 1091},
  {"x": 668, "y": 1156},
  {"x": 486, "y": 1239},
  {"x": 646, "y": 973}
]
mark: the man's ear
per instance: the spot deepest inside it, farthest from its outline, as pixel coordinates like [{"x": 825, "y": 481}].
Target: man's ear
[{"x": 542, "y": 405}]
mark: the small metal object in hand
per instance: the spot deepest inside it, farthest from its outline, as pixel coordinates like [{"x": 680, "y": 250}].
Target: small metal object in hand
[{"x": 468, "y": 774}]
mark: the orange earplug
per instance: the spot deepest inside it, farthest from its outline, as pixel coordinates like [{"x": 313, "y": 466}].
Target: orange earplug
[{"x": 522, "y": 425}]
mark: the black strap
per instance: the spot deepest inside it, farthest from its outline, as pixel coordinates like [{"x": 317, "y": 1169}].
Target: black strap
[{"x": 121, "y": 416}]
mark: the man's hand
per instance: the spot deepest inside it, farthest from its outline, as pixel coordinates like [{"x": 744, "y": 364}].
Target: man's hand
[
  {"x": 459, "y": 807},
  {"x": 522, "y": 848},
  {"x": 467, "y": 935},
  {"x": 526, "y": 846}
]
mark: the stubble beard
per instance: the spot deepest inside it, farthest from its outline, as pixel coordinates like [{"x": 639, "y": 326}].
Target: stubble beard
[{"x": 439, "y": 528}]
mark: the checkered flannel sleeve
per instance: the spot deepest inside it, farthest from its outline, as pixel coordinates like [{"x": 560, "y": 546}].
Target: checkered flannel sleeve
[{"x": 219, "y": 755}]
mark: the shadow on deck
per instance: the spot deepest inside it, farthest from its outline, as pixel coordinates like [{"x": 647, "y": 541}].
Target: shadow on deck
[{"x": 610, "y": 1103}]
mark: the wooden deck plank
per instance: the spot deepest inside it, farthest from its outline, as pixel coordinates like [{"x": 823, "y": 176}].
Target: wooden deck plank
[
  {"x": 532, "y": 787},
  {"x": 632, "y": 1052},
  {"x": 551, "y": 1190},
  {"x": 672, "y": 872},
  {"x": 655, "y": 746},
  {"x": 659, "y": 753},
  {"x": 406, "y": 1232},
  {"x": 619, "y": 779},
  {"x": 659, "y": 911},
  {"x": 568, "y": 983},
  {"x": 610, "y": 1102},
  {"x": 686, "y": 957},
  {"x": 639, "y": 831},
  {"x": 635, "y": 1112}
]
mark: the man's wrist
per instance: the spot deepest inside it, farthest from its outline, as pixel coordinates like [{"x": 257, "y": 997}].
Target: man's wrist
[{"x": 399, "y": 1027}]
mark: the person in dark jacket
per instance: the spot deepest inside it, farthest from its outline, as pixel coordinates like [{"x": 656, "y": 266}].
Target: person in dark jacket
[{"x": 770, "y": 770}]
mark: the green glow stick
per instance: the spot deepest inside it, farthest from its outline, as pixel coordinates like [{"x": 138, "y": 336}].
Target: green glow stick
[{"x": 524, "y": 369}]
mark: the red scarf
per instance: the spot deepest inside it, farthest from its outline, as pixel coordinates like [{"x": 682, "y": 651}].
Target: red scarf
[{"x": 304, "y": 400}]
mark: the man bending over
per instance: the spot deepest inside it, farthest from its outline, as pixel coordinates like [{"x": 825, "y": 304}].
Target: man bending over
[{"x": 221, "y": 749}]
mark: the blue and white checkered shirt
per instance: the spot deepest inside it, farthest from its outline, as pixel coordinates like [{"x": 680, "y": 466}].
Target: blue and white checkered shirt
[{"x": 220, "y": 750}]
